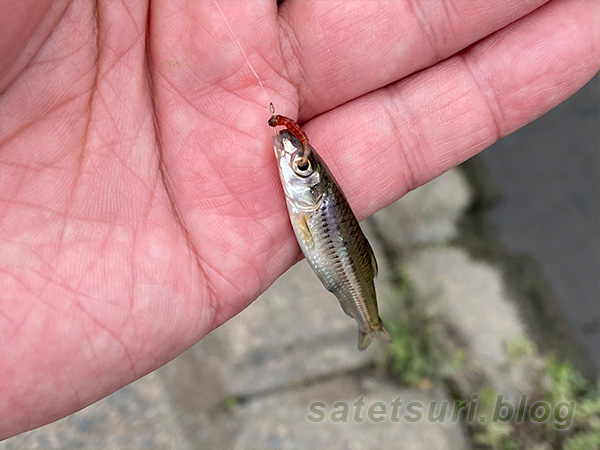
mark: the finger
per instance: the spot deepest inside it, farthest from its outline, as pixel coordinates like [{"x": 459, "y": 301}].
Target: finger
[
  {"x": 337, "y": 51},
  {"x": 206, "y": 95},
  {"x": 204, "y": 49},
  {"x": 212, "y": 116},
  {"x": 402, "y": 136}
]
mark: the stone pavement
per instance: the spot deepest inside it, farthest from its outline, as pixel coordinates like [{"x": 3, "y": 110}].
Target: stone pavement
[{"x": 250, "y": 383}]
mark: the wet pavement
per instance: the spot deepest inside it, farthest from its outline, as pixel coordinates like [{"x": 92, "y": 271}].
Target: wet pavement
[{"x": 548, "y": 175}]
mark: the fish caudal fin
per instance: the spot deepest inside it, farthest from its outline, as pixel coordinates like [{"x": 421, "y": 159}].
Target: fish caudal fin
[{"x": 365, "y": 338}]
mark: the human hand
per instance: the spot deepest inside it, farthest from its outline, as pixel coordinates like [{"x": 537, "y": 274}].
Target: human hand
[{"x": 140, "y": 204}]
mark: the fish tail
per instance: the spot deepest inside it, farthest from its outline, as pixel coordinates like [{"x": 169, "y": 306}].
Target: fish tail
[
  {"x": 383, "y": 335},
  {"x": 366, "y": 337}
]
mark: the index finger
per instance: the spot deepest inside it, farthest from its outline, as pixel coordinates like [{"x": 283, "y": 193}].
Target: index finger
[
  {"x": 335, "y": 51},
  {"x": 397, "y": 138}
]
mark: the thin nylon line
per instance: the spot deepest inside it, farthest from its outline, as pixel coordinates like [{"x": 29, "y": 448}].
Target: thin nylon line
[{"x": 238, "y": 43}]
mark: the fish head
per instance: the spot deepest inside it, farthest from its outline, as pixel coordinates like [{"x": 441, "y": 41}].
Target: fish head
[{"x": 301, "y": 178}]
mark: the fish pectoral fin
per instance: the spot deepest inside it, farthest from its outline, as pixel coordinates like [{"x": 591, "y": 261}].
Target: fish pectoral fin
[{"x": 305, "y": 232}]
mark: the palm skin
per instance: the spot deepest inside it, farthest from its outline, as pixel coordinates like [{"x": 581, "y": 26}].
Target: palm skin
[{"x": 140, "y": 206}]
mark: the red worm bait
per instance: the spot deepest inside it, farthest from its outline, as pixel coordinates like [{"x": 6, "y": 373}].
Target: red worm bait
[{"x": 277, "y": 120}]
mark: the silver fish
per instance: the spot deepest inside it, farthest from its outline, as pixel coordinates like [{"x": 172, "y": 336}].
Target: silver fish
[{"x": 328, "y": 233}]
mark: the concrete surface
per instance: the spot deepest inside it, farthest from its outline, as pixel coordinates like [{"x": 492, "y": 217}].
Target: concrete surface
[{"x": 293, "y": 430}]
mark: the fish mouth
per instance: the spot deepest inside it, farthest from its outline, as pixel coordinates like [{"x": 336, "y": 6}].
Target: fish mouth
[
  {"x": 284, "y": 146},
  {"x": 293, "y": 143}
]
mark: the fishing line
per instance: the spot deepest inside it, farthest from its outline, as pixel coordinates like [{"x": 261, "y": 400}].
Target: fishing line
[
  {"x": 239, "y": 45},
  {"x": 275, "y": 120}
]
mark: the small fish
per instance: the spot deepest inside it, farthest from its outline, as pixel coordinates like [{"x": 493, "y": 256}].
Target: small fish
[{"x": 327, "y": 230}]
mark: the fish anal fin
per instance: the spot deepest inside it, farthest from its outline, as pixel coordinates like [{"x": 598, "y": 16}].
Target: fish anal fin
[{"x": 346, "y": 310}]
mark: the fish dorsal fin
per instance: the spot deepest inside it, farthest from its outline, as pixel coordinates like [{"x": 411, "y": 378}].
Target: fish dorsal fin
[{"x": 373, "y": 260}]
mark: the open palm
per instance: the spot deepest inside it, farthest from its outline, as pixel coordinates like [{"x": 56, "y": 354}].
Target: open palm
[{"x": 140, "y": 205}]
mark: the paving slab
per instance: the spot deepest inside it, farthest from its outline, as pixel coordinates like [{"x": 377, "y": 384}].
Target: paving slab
[
  {"x": 427, "y": 215},
  {"x": 282, "y": 421},
  {"x": 137, "y": 416},
  {"x": 295, "y": 331},
  {"x": 470, "y": 297}
]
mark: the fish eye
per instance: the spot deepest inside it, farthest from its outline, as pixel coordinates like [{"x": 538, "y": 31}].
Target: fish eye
[{"x": 302, "y": 166}]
